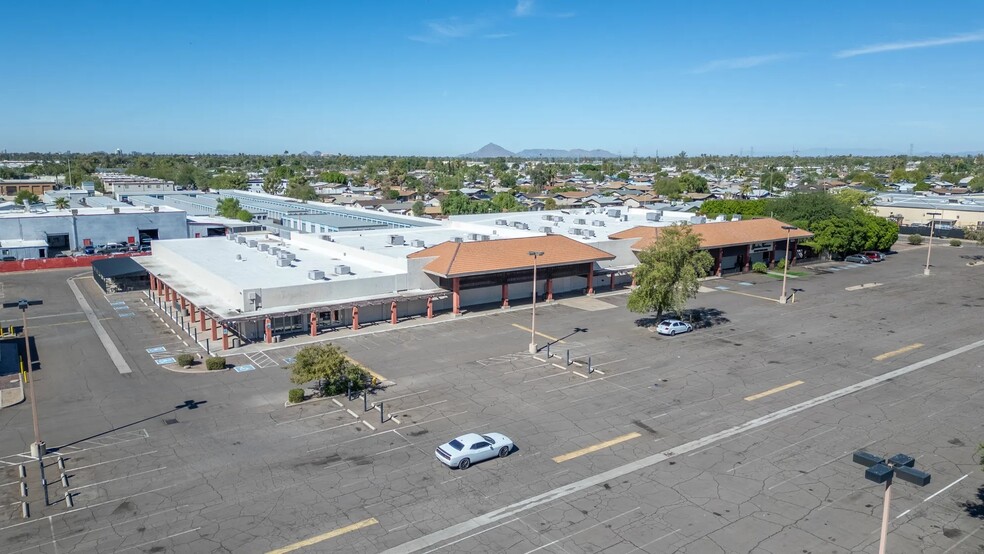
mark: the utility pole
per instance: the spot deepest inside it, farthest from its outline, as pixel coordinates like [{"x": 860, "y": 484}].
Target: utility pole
[{"x": 38, "y": 447}]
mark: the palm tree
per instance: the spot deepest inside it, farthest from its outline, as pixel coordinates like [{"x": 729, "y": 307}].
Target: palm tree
[{"x": 61, "y": 203}]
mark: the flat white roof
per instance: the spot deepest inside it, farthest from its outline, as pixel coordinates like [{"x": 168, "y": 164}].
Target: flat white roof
[{"x": 52, "y": 212}]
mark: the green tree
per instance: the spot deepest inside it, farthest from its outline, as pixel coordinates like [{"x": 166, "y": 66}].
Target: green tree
[
  {"x": 227, "y": 207},
  {"x": 693, "y": 183},
  {"x": 418, "y": 208},
  {"x": 922, "y": 187},
  {"x": 669, "y": 271},
  {"x": 329, "y": 366},
  {"x": 244, "y": 215},
  {"x": 507, "y": 180},
  {"x": 333, "y": 177},
  {"x": 234, "y": 180},
  {"x": 505, "y": 202},
  {"x": 977, "y": 183},
  {"x": 25, "y": 194},
  {"x": 549, "y": 204},
  {"x": 298, "y": 187},
  {"x": 392, "y": 194},
  {"x": 773, "y": 180},
  {"x": 61, "y": 203}
]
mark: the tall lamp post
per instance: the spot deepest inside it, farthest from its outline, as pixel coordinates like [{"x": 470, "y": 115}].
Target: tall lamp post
[
  {"x": 881, "y": 470},
  {"x": 38, "y": 447},
  {"x": 929, "y": 250},
  {"x": 785, "y": 263},
  {"x": 535, "y": 255}
]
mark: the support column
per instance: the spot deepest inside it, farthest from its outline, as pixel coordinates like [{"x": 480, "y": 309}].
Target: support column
[
  {"x": 430, "y": 308},
  {"x": 393, "y": 312},
  {"x": 314, "y": 324},
  {"x": 772, "y": 257},
  {"x": 612, "y": 283},
  {"x": 267, "y": 331},
  {"x": 505, "y": 295},
  {"x": 792, "y": 253},
  {"x": 167, "y": 293},
  {"x": 160, "y": 287},
  {"x": 184, "y": 303},
  {"x": 550, "y": 289},
  {"x": 192, "y": 311},
  {"x": 153, "y": 283},
  {"x": 720, "y": 259},
  {"x": 633, "y": 285},
  {"x": 456, "y": 296},
  {"x": 748, "y": 259},
  {"x": 215, "y": 330},
  {"x": 590, "y": 290},
  {"x": 225, "y": 338},
  {"x": 355, "y": 318},
  {"x": 201, "y": 322}
]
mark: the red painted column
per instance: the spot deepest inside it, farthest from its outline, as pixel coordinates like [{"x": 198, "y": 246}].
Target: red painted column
[
  {"x": 550, "y": 290},
  {"x": 748, "y": 258},
  {"x": 184, "y": 303},
  {"x": 505, "y": 295},
  {"x": 314, "y": 324},
  {"x": 267, "y": 331},
  {"x": 792, "y": 254},
  {"x": 590, "y": 279},
  {"x": 355, "y": 318},
  {"x": 393, "y": 312},
  {"x": 720, "y": 258},
  {"x": 201, "y": 322},
  {"x": 153, "y": 282},
  {"x": 191, "y": 312},
  {"x": 456, "y": 296},
  {"x": 215, "y": 330},
  {"x": 772, "y": 257},
  {"x": 430, "y": 308},
  {"x": 225, "y": 338},
  {"x": 612, "y": 283}
]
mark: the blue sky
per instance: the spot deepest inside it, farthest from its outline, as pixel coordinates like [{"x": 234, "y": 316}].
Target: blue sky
[{"x": 444, "y": 78}]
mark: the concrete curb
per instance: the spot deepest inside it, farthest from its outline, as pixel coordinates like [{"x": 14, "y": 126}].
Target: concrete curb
[
  {"x": 104, "y": 338},
  {"x": 195, "y": 371},
  {"x": 16, "y": 396}
]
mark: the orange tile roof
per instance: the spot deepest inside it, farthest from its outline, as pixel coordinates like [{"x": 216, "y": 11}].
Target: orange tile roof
[
  {"x": 459, "y": 259},
  {"x": 720, "y": 234}
]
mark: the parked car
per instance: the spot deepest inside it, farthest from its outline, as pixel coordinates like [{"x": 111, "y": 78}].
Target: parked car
[
  {"x": 110, "y": 248},
  {"x": 858, "y": 259},
  {"x": 9, "y": 259},
  {"x": 472, "y": 448},
  {"x": 874, "y": 255},
  {"x": 673, "y": 327},
  {"x": 89, "y": 250},
  {"x": 145, "y": 248}
]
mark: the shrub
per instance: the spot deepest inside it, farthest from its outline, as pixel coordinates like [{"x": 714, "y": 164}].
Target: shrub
[
  {"x": 955, "y": 242},
  {"x": 295, "y": 395},
  {"x": 915, "y": 239},
  {"x": 215, "y": 363},
  {"x": 185, "y": 360},
  {"x": 780, "y": 265},
  {"x": 760, "y": 267}
]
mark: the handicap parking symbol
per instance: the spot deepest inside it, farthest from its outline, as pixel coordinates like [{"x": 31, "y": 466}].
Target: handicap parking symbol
[
  {"x": 156, "y": 350},
  {"x": 162, "y": 361},
  {"x": 242, "y": 368}
]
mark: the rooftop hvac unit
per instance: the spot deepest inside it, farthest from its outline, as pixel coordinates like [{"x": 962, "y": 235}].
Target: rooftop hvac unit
[
  {"x": 316, "y": 275},
  {"x": 342, "y": 270},
  {"x": 524, "y": 226},
  {"x": 736, "y": 217},
  {"x": 653, "y": 216},
  {"x": 578, "y": 221},
  {"x": 547, "y": 217},
  {"x": 275, "y": 250},
  {"x": 396, "y": 240},
  {"x": 588, "y": 233},
  {"x": 598, "y": 223},
  {"x": 116, "y": 210},
  {"x": 417, "y": 242},
  {"x": 484, "y": 237},
  {"x": 289, "y": 256},
  {"x": 472, "y": 236},
  {"x": 456, "y": 239},
  {"x": 252, "y": 244},
  {"x": 501, "y": 222},
  {"x": 283, "y": 262},
  {"x": 614, "y": 213},
  {"x": 264, "y": 247},
  {"x": 574, "y": 231},
  {"x": 241, "y": 240},
  {"x": 231, "y": 236},
  {"x": 720, "y": 217},
  {"x": 625, "y": 217},
  {"x": 558, "y": 218},
  {"x": 517, "y": 224},
  {"x": 157, "y": 209},
  {"x": 326, "y": 237},
  {"x": 545, "y": 230},
  {"x": 239, "y": 257}
]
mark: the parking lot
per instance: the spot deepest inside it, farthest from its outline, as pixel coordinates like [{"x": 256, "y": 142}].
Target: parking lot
[{"x": 733, "y": 438}]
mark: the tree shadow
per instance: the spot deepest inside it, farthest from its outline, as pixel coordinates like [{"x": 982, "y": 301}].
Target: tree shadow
[
  {"x": 975, "y": 509},
  {"x": 700, "y": 318}
]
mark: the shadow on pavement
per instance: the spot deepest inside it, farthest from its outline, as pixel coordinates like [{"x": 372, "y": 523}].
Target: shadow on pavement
[{"x": 187, "y": 405}]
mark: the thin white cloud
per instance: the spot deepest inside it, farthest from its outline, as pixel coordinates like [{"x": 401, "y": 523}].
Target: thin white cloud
[
  {"x": 523, "y": 8},
  {"x": 450, "y": 28},
  {"x": 909, "y": 45},
  {"x": 740, "y": 63},
  {"x": 493, "y": 36}
]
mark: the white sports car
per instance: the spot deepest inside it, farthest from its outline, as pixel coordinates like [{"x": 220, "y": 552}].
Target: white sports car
[{"x": 473, "y": 448}]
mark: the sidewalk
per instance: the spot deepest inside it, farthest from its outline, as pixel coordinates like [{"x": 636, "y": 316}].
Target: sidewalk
[{"x": 13, "y": 395}]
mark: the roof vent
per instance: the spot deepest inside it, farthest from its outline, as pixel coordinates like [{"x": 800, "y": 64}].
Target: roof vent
[
  {"x": 241, "y": 239},
  {"x": 417, "y": 243},
  {"x": 316, "y": 275},
  {"x": 654, "y": 216},
  {"x": 252, "y": 243},
  {"x": 501, "y": 222},
  {"x": 275, "y": 250},
  {"x": 484, "y": 237},
  {"x": 239, "y": 257},
  {"x": 283, "y": 262},
  {"x": 456, "y": 239},
  {"x": 598, "y": 223},
  {"x": 343, "y": 270},
  {"x": 625, "y": 217},
  {"x": 231, "y": 236},
  {"x": 116, "y": 210},
  {"x": 157, "y": 209},
  {"x": 578, "y": 221},
  {"x": 472, "y": 236},
  {"x": 396, "y": 240},
  {"x": 545, "y": 230},
  {"x": 614, "y": 213}
]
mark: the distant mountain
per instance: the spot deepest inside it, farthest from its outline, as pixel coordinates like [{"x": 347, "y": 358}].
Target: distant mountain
[
  {"x": 575, "y": 153},
  {"x": 490, "y": 150}
]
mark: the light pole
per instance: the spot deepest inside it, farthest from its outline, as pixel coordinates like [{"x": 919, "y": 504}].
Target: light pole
[
  {"x": 38, "y": 447},
  {"x": 929, "y": 250},
  {"x": 785, "y": 263},
  {"x": 535, "y": 255},
  {"x": 881, "y": 470}
]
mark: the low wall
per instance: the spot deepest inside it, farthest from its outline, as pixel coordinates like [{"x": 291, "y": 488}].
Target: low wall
[{"x": 60, "y": 263}]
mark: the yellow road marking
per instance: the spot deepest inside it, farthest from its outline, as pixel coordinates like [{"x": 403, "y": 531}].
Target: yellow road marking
[
  {"x": 325, "y": 536},
  {"x": 527, "y": 329},
  {"x": 595, "y": 448},
  {"x": 902, "y": 350},
  {"x": 773, "y": 391},
  {"x": 750, "y": 295}
]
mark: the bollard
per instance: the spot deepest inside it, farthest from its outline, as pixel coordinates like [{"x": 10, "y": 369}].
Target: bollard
[
  {"x": 548, "y": 350},
  {"x": 68, "y": 500},
  {"x": 590, "y": 369},
  {"x": 568, "y": 357},
  {"x": 365, "y": 400},
  {"x": 348, "y": 394},
  {"x": 25, "y": 510},
  {"x": 380, "y": 413},
  {"x": 64, "y": 480},
  {"x": 23, "y": 471},
  {"x": 44, "y": 485},
  {"x": 207, "y": 351},
  {"x": 61, "y": 462},
  {"x": 23, "y": 488},
  {"x": 196, "y": 334}
]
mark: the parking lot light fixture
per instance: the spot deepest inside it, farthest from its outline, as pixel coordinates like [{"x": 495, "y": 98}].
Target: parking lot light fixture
[
  {"x": 535, "y": 254},
  {"x": 37, "y": 448},
  {"x": 881, "y": 470},
  {"x": 929, "y": 250},
  {"x": 785, "y": 264}
]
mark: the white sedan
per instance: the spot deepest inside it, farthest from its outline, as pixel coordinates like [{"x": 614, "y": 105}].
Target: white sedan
[
  {"x": 472, "y": 448},
  {"x": 673, "y": 327}
]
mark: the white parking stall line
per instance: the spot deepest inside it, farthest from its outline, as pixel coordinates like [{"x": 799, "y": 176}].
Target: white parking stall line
[
  {"x": 74, "y": 489},
  {"x": 369, "y": 425},
  {"x": 308, "y": 417},
  {"x": 325, "y": 430},
  {"x": 526, "y": 368},
  {"x": 111, "y": 461},
  {"x": 545, "y": 377},
  {"x": 934, "y": 495},
  {"x": 160, "y": 539},
  {"x": 404, "y": 396},
  {"x": 405, "y": 410}
]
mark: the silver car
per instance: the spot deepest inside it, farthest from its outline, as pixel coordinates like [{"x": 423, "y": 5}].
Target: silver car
[
  {"x": 472, "y": 448},
  {"x": 673, "y": 327}
]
